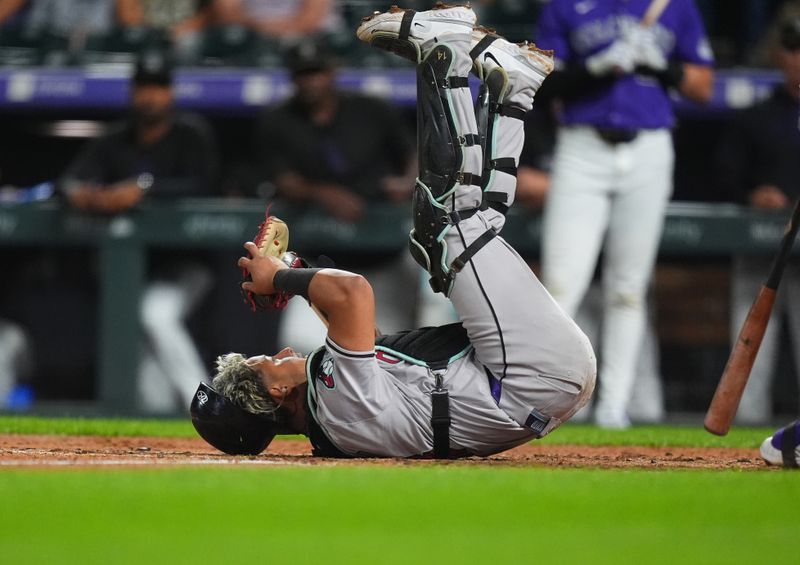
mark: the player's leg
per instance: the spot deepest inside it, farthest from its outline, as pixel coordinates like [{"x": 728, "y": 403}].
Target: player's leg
[
  {"x": 450, "y": 154},
  {"x": 542, "y": 366},
  {"x": 523, "y": 338},
  {"x": 576, "y": 214},
  {"x": 165, "y": 306},
  {"x": 632, "y": 244},
  {"x": 791, "y": 294},
  {"x": 783, "y": 447},
  {"x": 509, "y": 82},
  {"x": 647, "y": 397},
  {"x": 155, "y": 393},
  {"x": 14, "y": 355}
]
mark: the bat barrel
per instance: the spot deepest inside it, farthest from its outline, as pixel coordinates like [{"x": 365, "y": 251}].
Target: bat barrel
[{"x": 731, "y": 386}]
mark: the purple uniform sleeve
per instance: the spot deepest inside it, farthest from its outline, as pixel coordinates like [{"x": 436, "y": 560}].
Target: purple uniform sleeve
[
  {"x": 553, "y": 31},
  {"x": 691, "y": 43},
  {"x": 576, "y": 29}
]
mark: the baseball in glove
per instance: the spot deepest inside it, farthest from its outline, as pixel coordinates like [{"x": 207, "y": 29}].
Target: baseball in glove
[{"x": 272, "y": 239}]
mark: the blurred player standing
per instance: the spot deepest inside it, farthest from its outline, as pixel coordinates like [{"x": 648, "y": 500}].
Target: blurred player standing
[
  {"x": 162, "y": 154},
  {"x": 342, "y": 152},
  {"x": 757, "y": 164},
  {"x": 612, "y": 171}
]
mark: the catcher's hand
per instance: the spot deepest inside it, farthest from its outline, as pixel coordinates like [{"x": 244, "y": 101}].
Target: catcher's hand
[
  {"x": 260, "y": 270},
  {"x": 267, "y": 254}
]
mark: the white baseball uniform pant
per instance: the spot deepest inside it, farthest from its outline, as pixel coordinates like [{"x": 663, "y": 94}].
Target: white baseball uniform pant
[
  {"x": 171, "y": 366},
  {"x": 610, "y": 198}
]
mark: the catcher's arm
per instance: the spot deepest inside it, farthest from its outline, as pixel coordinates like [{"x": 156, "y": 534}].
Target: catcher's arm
[{"x": 346, "y": 298}]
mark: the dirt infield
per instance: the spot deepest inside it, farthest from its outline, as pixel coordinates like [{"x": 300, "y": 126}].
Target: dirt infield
[{"x": 67, "y": 451}]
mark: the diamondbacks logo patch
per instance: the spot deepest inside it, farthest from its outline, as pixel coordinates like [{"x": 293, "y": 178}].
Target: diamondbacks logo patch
[{"x": 325, "y": 374}]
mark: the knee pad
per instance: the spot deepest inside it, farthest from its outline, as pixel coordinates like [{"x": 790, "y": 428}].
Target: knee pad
[{"x": 427, "y": 242}]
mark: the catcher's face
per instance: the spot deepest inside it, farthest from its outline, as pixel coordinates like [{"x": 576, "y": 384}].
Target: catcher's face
[{"x": 280, "y": 373}]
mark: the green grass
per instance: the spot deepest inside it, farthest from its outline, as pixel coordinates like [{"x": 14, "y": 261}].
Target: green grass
[
  {"x": 656, "y": 436},
  {"x": 569, "y": 434},
  {"x": 422, "y": 514},
  {"x": 396, "y": 514},
  {"x": 96, "y": 426}
]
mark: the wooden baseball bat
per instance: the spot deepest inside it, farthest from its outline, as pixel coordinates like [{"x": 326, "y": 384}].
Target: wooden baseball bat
[
  {"x": 734, "y": 378},
  {"x": 653, "y": 12}
]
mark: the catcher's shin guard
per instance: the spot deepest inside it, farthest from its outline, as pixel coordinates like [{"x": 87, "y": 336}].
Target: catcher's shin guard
[
  {"x": 511, "y": 74},
  {"x": 490, "y": 109},
  {"x": 491, "y": 105},
  {"x": 427, "y": 242},
  {"x": 439, "y": 135}
]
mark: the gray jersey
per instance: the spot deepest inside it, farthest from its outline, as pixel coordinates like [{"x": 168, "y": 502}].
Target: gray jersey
[{"x": 377, "y": 403}]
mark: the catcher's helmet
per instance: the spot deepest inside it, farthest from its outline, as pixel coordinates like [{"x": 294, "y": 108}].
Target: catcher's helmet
[{"x": 228, "y": 427}]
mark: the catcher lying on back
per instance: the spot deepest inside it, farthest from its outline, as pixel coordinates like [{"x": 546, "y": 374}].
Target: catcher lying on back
[{"x": 516, "y": 366}]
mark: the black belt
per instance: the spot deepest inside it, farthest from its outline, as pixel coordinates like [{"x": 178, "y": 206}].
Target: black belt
[{"x": 615, "y": 136}]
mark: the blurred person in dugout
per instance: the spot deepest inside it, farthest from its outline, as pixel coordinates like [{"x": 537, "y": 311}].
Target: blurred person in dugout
[
  {"x": 758, "y": 164},
  {"x": 533, "y": 183},
  {"x": 15, "y": 364},
  {"x": 283, "y": 19},
  {"x": 70, "y": 19},
  {"x": 183, "y": 20},
  {"x": 156, "y": 153},
  {"x": 340, "y": 152},
  {"x": 613, "y": 164}
]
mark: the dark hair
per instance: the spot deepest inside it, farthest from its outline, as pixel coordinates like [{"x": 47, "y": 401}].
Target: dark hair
[{"x": 308, "y": 57}]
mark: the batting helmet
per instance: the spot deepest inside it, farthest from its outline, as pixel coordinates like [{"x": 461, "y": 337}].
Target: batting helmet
[{"x": 228, "y": 427}]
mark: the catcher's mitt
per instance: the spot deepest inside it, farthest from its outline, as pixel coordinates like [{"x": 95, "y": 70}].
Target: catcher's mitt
[{"x": 272, "y": 239}]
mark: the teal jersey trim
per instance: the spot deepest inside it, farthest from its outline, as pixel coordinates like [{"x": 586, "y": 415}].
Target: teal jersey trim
[{"x": 420, "y": 362}]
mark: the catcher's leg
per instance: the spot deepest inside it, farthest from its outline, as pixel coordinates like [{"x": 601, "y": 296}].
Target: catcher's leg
[
  {"x": 542, "y": 366},
  {"x": 510, "y": 76},
  {"x": 412, "y": 34},
  {"x": 450, "y": 155}
]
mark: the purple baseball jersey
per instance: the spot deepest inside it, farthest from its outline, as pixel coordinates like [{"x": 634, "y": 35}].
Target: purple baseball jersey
[{"x": 577, "y": 29}]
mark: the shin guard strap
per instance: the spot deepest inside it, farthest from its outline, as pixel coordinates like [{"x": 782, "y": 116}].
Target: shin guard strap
[
  {"x": 507, "y": 111},
  {"x": 481, "y": 46},
  {"x": 506, "y": 165},
  {"x": 470, "y": 251},
  {"x": 469, "y": 139},
  {"x": 454, "y": 82},
  {"x": 496, "y": 201},
  {"x": 466, "y": 179},
  {"x": 405, "y": 25}
]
